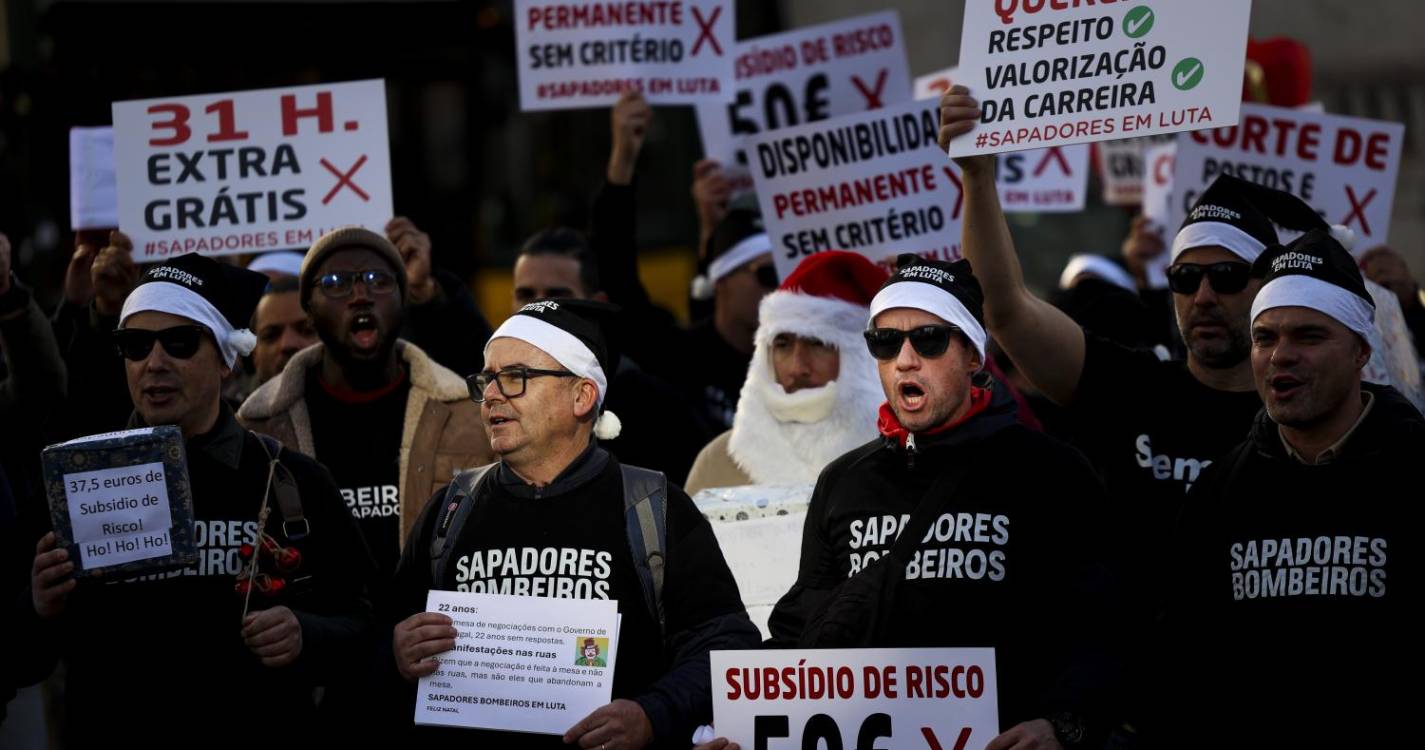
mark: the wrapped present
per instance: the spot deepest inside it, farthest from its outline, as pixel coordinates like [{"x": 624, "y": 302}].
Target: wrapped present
[{"x": 121, "y": 502}]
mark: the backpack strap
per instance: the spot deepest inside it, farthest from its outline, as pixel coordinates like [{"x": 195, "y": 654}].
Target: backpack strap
[
  {"x": 645, "y": 512},
  {"x": 456, "y": 506},
  {"x": 284, "y": 487}
]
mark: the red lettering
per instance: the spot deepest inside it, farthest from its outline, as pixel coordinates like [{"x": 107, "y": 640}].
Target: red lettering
[
  {"x": 322, "y": 111},
  {"x": 227, "y": 129},
  {"x": 178, "y": 124}
]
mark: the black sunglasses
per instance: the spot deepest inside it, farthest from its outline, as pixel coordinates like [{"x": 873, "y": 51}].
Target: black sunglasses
[
  {"x": 181, "y": 342},
  {"x": 1227, "y": 277},
  {"x": 511, "y": 381},
  {"x": 338, "y": 284},
  {"x": 928, "y": 341}
]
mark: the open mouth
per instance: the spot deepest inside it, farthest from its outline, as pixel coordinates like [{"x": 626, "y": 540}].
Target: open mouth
[
  {"x": 364, "y": 331},
  {"x": 497, "y": 421},
  {"x": 159, "y": 394},
  {"x": 1284, "y": 386},
  {"x": 912, "y": 395}
]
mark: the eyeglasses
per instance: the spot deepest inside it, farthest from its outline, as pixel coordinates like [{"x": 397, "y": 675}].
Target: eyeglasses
[
  {"x": 338, "y": 284},
  {"x": 511, "y": 381},
  {"x": 1227, "y": 277},
  {"x": 928, "y": 341},
  {"x": 181, "y": 342}
]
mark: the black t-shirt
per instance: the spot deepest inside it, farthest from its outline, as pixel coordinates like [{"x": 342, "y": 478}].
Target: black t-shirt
[{"x": 358, "y": 437}]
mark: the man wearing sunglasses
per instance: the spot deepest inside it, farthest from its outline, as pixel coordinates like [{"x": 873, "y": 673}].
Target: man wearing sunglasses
[
  {"x": 180, "y": 334},
  {"x": 389, "y": 422},
  {"x": 555, "y": 510},
  {"x": 991, "y": 522}
]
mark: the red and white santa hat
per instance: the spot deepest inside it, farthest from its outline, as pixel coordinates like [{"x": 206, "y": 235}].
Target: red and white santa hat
[{"x": 826, "y": 298}]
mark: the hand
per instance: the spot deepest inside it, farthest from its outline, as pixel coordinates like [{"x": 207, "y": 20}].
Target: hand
[
  {"x": 1141, "y": 246},
  {"x": 711, "y": 191},
  {"x": 50, "y": 578},
  {"x": 1030, "y": 735},
  {"x": 113, "y": 274},
  {"x": 629, "y": 121},
  {"x": 958, "y": 114},
  {"x": 414, "y": 246},
  {"x": 621, "y": 725},
  {"x": 1384, "y": 266},
  {"x": 274, "y": 635},
  {"x": 4, "y": 264},
  {"x": 78, "y": 278},
  {"x": 419, "y": 637}
]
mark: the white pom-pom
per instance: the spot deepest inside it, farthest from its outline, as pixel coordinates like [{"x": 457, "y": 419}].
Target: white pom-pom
[
  {"x": 243, "y": 340},
  {"x": 608, "y": 426},
  {"x": 1343, "y": 234},
  {"x": 702, "y": 288}
]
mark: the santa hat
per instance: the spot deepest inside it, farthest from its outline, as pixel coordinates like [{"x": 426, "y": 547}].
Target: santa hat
[
  {"x": 1316, "y": 272},
  {"x": 572, "y": 332},
  {"x": 736, "y": 241},
  {"x": 827, "y": 297},
  {"x": 1245, "y": 218},
  {"x": 217, "y": 296},
  {"x": 947, "y": 290}
]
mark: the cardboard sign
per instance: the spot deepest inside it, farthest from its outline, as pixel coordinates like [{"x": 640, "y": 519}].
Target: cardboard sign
[
  {"x": 1056, "y": 72},
  {"x": 93, "y": 193},
  {"x": 520, "y": 663},
  {"x": 805, "y": 76},
  {"x": 759, "y": 529},
  {"x": 248, "y": 172},
  {"x": 1345, "y": 167},
  {"x": 574, "y": 53},
  {"x": 931, "y": 86},
  {"x": 875, "y": 183},
  {"x": 889, "y": 698}
]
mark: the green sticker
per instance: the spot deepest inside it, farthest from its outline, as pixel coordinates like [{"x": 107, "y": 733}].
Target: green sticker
[
  {"x": 1138, "y": 22},
  {"x": 1187, "y": 74}
]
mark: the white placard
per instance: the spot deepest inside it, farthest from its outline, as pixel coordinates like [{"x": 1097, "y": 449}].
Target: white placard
[
  {"x": 874, "y": 183},
  {"x": 251, "y": 171},
  {"x": 521, "y": 663},
  {"x": 1345, "y": 167},
  {"x": 804, "y": 76},
  {"x": 93, "y": 193},
  {"x": 932, "y": 85},
  {"x": 1120, "y": 167},
  {"x": 889, "y": 698},
  {"x": 119, "y": 515},
  {"x": 1053, "y": 72},
  {"x": 578, "y": 53},
  {"x": 1158, "y": 169}
]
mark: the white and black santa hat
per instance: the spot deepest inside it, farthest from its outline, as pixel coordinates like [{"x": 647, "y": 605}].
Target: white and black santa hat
[
  {"x": 1316, "y": 272},
  {"x": 217, "y": 296},
  {"x": 572, "y": 332},
  {"x": 1247, "y": 219},
  {"x": 947, "y": 290},
  {"x": 736, "y": 241}
]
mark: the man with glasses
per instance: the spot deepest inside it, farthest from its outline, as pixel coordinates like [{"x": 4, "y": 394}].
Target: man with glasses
[
  {"x": 970, "y": 561},
  {"x": 553, "y": 519},
  {"x": 390, "y": 423},
  {"x": 180, "y": 333}
]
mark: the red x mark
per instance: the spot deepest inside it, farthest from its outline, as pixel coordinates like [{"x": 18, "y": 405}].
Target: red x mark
[
  {"x": 960, "y": 190},
  {"x": 873, "y": 96},
  {"x": 344, "y": 180},
  {"x": 934, "y": 743},
  {"x": 1054, "y": 153},
  {"x": 705, "y": 31},
  {"x": 1358, "y": 210}
]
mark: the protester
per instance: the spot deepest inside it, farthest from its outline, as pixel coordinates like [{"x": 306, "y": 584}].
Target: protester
[
  {"x": 282, "y": 329},
  {"x": 811, "y": 390},
  {"x": 390, "y": 423},
  {"x": 541, "y": 398},
  {"x": 1301, "y": 575},
  {"x": 920, "y": 519},
  {"x": 181, "y": 332}
]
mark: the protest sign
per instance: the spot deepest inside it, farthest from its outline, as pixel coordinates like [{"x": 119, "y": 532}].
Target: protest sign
[
  {"x": 875, "y": 183},
  {"x": 251, "y": 171},
  {"x": 1157, "y": 190},
  {"x": 1120, "y": 167},
  {"x": 932, "y": 85},
  {"x": 759, "y": 529},
  {"x": 93, "y": 194},
  {"x": 888, "y": 698},
  {"x": 574, "y": 53},
  {"x": 1056, "y": 72},
  {"x": 804, "y": 76},
  {"x": 121, "y": 501},
  {"x": 520, "y": 663},
  {"x": 1344, "y": 167}
]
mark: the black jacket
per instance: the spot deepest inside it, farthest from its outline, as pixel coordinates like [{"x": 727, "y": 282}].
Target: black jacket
[
  {"x": 1011, "y": 563},
  {"x": 1288, "y": 607},
  {"x": 583, "y": 508},
  {"x": 169, "y": 645}
]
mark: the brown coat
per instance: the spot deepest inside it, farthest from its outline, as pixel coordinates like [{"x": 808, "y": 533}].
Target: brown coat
[
  {"x": 442, "y": 434},
  {"x": 715, "y": 467}
]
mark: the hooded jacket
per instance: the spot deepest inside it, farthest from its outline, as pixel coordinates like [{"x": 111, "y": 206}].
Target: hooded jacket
[{"x": 1010, "y": 563}]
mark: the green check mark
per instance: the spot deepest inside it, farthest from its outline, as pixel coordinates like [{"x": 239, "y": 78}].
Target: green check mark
[
  {"x": 1188, "y": 73},
  {"x": 1138, "y": 22}
]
